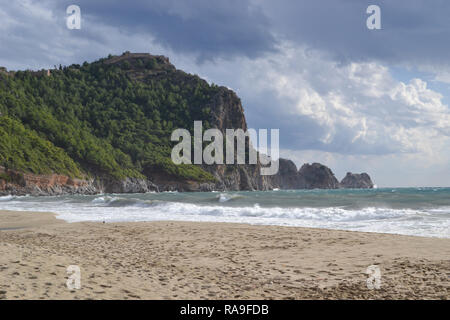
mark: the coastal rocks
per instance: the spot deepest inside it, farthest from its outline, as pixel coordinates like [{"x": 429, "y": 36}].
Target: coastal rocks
[
  {"x": 316, "y": 176},
  {"x": 287, "y": 176},
  {"x": 357, "y": 181},
  {"x": 127, "y": 185},
  {"x": 229, "y": 178},
  {"x": 185, "y": 186},
  {"x": 312, "y": 176},
  {"x": 239, "y": 178},
  {"x": 18, "y": 183}
]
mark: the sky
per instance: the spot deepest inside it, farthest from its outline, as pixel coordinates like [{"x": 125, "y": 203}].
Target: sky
[{"x": 354, "y": 99}]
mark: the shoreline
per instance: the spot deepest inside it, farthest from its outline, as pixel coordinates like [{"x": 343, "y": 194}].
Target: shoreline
[
  {"x": 52, "y": 217},
  {"x": 29, "y": 223},
  {"x": 204, "y": 260}
]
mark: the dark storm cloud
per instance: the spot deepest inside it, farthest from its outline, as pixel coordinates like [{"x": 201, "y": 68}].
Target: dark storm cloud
[
  {"x": 209, "y": 29},
  {"x": 413, "y": 31}
]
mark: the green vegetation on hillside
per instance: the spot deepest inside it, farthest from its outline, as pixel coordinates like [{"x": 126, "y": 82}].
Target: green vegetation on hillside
[
  {"x": 113, "y": 119},
  {"x": 23, "y": 149}
]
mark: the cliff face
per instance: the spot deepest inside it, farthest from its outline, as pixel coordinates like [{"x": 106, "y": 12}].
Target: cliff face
[
  {"x": 317, "y": 176},
  {"x": 19, "y": 183},
  {"x": 287, "y": 176},
  {"x": 357, "y": 181},
  {"x": 227, "y": 113}
]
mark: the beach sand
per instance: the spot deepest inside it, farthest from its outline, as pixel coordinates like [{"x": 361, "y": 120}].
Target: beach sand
[{"x": 184, "y": 260}]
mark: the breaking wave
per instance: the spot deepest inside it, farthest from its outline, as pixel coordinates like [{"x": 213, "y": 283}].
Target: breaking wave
[{"x": 374, "y": 211}]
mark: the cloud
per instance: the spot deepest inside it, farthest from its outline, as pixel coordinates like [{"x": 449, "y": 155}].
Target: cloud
[
  {"x": 357, "y": 108},
  {"x": 413, "y": 31},
  {"x": 202, "y": 27},
  {"x": 34, "y": 36}
]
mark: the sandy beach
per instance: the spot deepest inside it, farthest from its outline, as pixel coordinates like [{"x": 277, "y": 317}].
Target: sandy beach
[{"x": 183, "y": 260}]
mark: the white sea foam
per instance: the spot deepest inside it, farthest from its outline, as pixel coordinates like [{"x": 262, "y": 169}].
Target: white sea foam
[
  {"x": 101, "y": 200},
  {"x": 6, "y": 198},
  {"x": 432, "y": 222},
  {"x": 403, "y": 221},
  {"x": 224, "y": 197}
]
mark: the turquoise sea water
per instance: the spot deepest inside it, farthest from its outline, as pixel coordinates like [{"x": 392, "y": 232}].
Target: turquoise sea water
[{"x": 409, "y": 211}]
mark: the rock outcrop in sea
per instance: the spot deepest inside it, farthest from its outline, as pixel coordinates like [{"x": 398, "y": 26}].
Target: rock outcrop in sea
[
  {"x": 357, "y": 181},
  {"x": 317, "y": 176},
  {"x": 309, "y": 176}
]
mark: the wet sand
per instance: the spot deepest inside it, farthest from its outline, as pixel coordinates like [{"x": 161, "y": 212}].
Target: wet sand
[{"x": 185, "y": 260}]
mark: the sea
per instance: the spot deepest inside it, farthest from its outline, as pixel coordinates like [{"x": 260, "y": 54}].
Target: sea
[{"x": 406, "y": 211}]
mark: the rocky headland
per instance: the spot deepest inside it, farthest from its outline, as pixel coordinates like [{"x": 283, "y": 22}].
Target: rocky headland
[{"x": 221, "y": 109}]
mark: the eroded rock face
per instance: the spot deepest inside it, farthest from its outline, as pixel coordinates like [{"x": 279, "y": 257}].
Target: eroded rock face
[
  {"x": 310, "y": 176},
  {"x": 127, "y": 185},
  {"x": 227, "y": 113},
  {"x": 287, "y": 176},
  {"x": 317, "y": 176},
  {"x": 357, "y": 181},
  {"x": 19, "y": 183}
]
